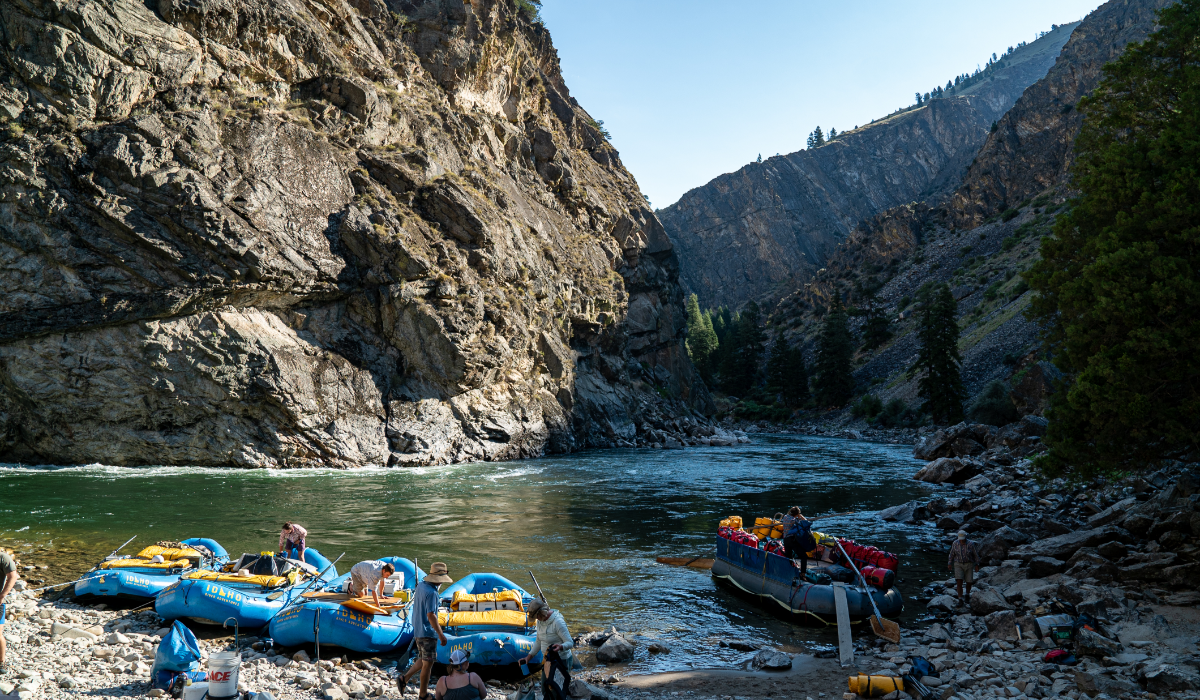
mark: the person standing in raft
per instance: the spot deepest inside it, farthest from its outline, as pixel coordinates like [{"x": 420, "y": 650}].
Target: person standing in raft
[
  {"x": 292, "y": 537},
  {"x": 8, "y": 579},
  {"x": 369, "y": 576},
  {"x": 425, "y": 626},
  {"x": 798, "y": 538},
  {"x": 964, "y": 557}
]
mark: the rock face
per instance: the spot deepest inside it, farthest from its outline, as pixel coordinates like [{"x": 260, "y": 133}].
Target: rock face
[
  {"x": 250, "y": 234},
  {"x": 1031, "y": 148},
  {"x": 765, "y": 229}
]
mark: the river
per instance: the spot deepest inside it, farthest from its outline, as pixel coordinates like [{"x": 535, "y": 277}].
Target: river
[{"x": 588, "y": 524}]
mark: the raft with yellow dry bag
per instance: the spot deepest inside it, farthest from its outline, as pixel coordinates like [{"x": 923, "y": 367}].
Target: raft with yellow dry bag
[
  {"x": 251, "y": 590},
  {"x": 487, "y": 620},
  {"x": 334, "y": 617},
  {"x": 145, "y": 574}
]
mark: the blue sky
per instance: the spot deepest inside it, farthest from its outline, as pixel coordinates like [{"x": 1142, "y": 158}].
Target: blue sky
[{"x": 694, "y": 89}]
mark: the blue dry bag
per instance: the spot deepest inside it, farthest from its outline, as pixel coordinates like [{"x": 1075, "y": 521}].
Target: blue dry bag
[{"x": 178, "y": 651}]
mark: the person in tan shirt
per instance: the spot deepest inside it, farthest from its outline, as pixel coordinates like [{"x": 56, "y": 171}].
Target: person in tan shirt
[{"x": 964, "y": 557}]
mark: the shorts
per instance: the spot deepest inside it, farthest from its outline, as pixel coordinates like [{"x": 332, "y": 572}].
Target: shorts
[
  {"x": 964, "y": 571},
  {"x": 426, "y": 648},
  {"x": 359, "y": 586}
]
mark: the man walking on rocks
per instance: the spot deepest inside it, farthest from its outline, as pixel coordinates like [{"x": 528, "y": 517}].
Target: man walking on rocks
[
  {"x": 424, "y": 613},
  {"x": 964, "y": 557},
  {"x": 9, "y": 575}
]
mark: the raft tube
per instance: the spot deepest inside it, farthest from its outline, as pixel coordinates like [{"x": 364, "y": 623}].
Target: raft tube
[
  {"x": 212, "y": 603},
  {"x": 493, "y": 646},
  {"x": 138, "y": 583},
  {"x": 330, "y": 623},
  {"x": 775, "y": 582}
]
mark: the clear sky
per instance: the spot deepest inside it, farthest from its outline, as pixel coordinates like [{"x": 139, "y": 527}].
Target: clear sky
[{"x": 690, "y": 90}]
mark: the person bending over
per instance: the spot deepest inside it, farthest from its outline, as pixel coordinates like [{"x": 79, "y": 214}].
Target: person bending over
[{"x": 369, "y": 576}]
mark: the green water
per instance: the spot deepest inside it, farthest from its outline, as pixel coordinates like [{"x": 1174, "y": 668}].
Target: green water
[{"x": 589, "y": 524}]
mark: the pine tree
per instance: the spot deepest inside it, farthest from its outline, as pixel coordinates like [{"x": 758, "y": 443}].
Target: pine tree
[
  {"x": 759, "y": 158},
  {"x": 1119, "y": 280},
  {"x": 834, "y": 383},
  {"x": 877, "y": 329},
  {"x": 741, "y": 366},
  {"x": 786, "y": 374},
  {"x": 938, "y": 360},
  {"x": 701, "y": 340},
  {"x": 919, "y": 100},
  {"x": 816, "y": 139},
  {"x": 832, "y": 133}
]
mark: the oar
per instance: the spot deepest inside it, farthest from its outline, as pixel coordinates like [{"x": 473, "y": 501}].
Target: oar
[
  {"x": 695, "y": 562},
  {"x": 539, "y": 588},
  {"x": 885, "y": 629},
  {"x": 91, "y": 570}
]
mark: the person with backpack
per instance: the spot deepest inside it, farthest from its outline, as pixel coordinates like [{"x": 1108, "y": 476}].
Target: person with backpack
[
  {"x": 964, "y": 557},
  {"x": 798, "y": 538}
]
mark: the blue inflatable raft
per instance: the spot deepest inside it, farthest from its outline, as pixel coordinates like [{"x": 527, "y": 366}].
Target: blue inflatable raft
[
  {"x": 495, "y": 632},
  {"x": 138, "y": 577},
  {"x": 213, "y": 597},
  {"x": 324, "y": 620}
]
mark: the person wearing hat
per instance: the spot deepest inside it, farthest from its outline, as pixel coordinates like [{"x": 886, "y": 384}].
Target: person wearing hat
[
  {"x": 460, "y": 684},
  {"x": 424, "y": 615},
  {"x": 964, "y": 557},
  {"x": 552, "y": 634}
]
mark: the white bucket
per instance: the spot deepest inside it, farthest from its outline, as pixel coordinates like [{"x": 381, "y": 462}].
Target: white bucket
[
  {"x": 223, "y": 674},
  {"x": 195, "y": 691}
]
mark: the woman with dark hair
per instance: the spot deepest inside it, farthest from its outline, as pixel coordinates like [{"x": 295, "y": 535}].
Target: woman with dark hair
[
  {"x": 797, "y": 538},
  {"x": 292, "y": 537},
  {"x": 459, "y": 683}
]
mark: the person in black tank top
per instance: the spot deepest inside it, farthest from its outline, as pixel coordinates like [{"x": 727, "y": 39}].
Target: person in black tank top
[{"x": 460, "y": 684}]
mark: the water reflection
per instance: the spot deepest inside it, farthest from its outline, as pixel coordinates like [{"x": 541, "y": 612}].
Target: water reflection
[{"x": 588, "y": 524}]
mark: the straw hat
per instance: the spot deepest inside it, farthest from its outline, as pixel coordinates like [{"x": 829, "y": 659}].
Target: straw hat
[{"x": 437, "y": 573}]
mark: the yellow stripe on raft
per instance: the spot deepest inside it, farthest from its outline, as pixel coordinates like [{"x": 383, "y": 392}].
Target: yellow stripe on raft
[
  {"x": 218, "y": 577},
  {"x": 145, "y": 564},
  {"x": 508, "y": 618}
]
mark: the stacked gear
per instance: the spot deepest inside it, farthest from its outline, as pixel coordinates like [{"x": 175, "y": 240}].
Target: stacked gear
[
  {"x": 176, "y": 557},
  {"x": 880, "y": 578},
  {"x": 767, "y": 529},
  {"x": 482, "y": 602},
  {"x": 739, "y": 536},
  {"x": 866, "y": 555}
]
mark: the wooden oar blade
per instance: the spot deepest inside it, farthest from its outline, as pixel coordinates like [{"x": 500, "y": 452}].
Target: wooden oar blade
[
  {"x": 686, "y": 561},
  {"x": 886, "y": 629}
]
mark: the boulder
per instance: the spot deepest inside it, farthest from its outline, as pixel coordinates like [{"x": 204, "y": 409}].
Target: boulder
[
  {"x": 998, "y": 543},
  {"x": 1087, "y": 563},
  {"x": 907, "y": 513},
  {"x": 985, "y": 601},
  {"x": 1063, "y": 546},
  {"x": 944, "y": 602},
  {"x": 614, "y": 650},
  {"x": 1095, "y": 683},
  {"x": 951, "y": 521},
  {"x": 59, "y": 629},
  {"x": 978, "y": 484},
  {"x": 966, "y": 447},
  {"x": 946, "y": 470},
  {"x": 1168, "y": 678},
  {"x": 1001, "y": 624},
  {"x": 1089, "y": 643},
  {"x": 771, "y": 660},
  {"x": 1041, "y": 567},
  {"x": 1112, "y": 514}
]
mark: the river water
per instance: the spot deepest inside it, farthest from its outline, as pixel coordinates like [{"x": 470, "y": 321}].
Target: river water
[{"x": 589, "y": 524}]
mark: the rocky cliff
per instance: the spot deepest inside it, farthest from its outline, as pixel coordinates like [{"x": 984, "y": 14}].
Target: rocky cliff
[
  {"x": 1030, "y": 150},
  {"x": 760, "y": 232},
  {"x": 1022, "y": 171},
  {"x": 335, "y": 233}
]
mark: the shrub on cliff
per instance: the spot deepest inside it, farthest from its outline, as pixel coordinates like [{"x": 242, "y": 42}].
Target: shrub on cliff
[
  {"x": 993, "y": 406},
  {"x": 1118, "y": 282}
]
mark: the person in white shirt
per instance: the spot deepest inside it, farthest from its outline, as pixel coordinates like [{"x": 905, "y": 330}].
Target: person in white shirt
[
  {"x": 552, "y": 634},
  {"x": 369, "y": 576}
]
